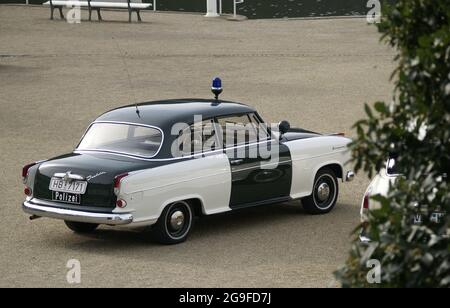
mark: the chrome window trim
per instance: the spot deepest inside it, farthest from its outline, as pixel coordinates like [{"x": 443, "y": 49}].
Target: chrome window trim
[
  {"x": 117, "y": 152},
  {"x": 214, "y": 126},
  {"x": 151, "y": 158},
  {"x": 219, "y": 151},
  {"x": 259, "y": 121},
  {"x": 250, "y": 122}
]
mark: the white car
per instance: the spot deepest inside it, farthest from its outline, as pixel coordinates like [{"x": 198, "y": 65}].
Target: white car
[
  {"x": 380, "y": 186},
  {"x": 156, "y": 164}
]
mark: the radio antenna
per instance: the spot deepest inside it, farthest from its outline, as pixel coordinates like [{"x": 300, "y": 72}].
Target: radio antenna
[{"x": 122, "y": 57}]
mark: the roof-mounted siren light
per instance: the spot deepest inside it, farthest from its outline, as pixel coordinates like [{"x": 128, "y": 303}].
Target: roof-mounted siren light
[{"x": 216, "y": 88}]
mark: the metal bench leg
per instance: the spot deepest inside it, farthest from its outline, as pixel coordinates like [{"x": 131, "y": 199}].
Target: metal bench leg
[
  {"x": 139, "y": 15},
  {"x": 61, "y": 12},
  {"x": 90, "y": 14},
  {"x": 99, "y": 15},
  {"x": 129, "y": 15},
  {"x": 51, "y": 11}
]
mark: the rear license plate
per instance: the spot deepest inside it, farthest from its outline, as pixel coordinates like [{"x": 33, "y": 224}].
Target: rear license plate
[
  {"x": 435, "y": 218},
  {"x": 74, "y": 187},
  {"x": 66, "y": 197}
]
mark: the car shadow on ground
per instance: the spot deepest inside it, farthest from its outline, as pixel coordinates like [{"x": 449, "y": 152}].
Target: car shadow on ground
[
  {"x": 238, "y": 220},
  {"x": 206, "y": 229}
]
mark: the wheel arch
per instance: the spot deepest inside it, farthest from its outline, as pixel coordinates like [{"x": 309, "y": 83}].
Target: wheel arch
[
  {"x": 195, "y": 201},
  {"x": 335, "y": 167},
  {"x": 197, "y": 206}
]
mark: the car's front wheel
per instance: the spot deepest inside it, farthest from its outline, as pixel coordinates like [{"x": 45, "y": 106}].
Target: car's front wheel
[
  {"x": 324, "y": 195},
  {"x": 174, "y": 224},
  {"x": 81, "y": 227}
]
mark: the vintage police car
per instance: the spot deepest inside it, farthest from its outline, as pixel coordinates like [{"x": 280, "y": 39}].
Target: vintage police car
[{"x": 161, "y": 163}]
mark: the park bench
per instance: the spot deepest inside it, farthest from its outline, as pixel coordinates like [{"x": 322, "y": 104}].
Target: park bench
[{"x": 97, "y": 6}]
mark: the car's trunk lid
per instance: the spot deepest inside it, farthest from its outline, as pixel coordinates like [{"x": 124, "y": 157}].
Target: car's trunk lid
[{"x": 98, "y": 170}]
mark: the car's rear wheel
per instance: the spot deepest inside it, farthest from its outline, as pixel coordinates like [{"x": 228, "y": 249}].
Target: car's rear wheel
[
  {"x": 81, "y": 227},
  {"x": 324, "y": 195},
  {"x": 174, "y": 224}
]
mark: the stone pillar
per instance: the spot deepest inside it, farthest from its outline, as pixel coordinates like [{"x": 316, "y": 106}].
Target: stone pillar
[{"x": 211, "y": 8}]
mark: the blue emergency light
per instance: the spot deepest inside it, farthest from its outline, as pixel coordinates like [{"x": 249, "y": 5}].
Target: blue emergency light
[{"x": 216, "y": 87}]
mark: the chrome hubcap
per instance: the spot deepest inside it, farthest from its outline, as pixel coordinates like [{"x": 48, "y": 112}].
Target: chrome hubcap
[
  {"x": 177, "y": 220},
  {"x": 323, "y": 192}
]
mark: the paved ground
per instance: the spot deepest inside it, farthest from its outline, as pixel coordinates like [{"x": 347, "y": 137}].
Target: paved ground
[{"x": 55, "y": 78}]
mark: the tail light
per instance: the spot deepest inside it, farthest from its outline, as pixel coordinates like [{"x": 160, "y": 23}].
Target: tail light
[
  {"x": 25, "y": 170},
  {"x": 27, "y": 191},
  {"x": 366, "y": 201},
  {"x": 117, "y": 182},
  {"x": 121, "y": 203}
]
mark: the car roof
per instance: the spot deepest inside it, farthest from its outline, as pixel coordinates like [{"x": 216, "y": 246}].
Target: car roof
[{"x": 164, "y": 114}]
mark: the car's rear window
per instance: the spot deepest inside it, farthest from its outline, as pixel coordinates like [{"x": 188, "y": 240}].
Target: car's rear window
[{"x": 122, "y": 138}]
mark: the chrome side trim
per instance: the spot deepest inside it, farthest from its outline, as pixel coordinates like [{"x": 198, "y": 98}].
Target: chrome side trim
[
  {"x": 35, "y": 207},
  {"x": 196, "y": 155}
]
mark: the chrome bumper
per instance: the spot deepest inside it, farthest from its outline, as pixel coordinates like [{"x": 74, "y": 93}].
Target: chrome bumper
[{"x": 38, "y": 208}]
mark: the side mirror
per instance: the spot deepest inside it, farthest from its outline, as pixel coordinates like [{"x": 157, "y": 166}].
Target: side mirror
[{"x": 284, "y": 127}]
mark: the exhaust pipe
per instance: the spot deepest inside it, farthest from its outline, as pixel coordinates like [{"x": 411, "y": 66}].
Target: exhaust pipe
[{"x": 34, "y": 217}]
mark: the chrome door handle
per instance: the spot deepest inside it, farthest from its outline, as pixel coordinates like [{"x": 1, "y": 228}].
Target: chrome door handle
[{"x": 236, "y": 161}]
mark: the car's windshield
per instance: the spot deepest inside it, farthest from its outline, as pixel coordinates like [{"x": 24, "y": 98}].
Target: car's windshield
[{"x": 123, "y": 138}]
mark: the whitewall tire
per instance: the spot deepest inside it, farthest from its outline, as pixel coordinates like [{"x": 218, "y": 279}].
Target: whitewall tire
[
  {"x": 174, "y": 224},
  {"x": 324, "y": 195}
]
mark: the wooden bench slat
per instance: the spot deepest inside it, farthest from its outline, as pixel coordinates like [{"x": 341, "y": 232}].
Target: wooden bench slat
[
  {"x": 60, "y": 2},
  {"x": 120, "y": 5}
]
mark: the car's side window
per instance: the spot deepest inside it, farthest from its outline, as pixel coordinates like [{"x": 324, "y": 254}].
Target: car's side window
[
  {"x": 261, "y": 128},
  {"x": 198, "y": 138},
  {"x": 237, "y": 130}
]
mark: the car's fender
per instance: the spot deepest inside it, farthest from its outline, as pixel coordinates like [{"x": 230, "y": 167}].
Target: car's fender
[
  {"x": 207, "y": 179},
  {"x": 378, "y": 186},
  {"x": 312, "y": 154}
]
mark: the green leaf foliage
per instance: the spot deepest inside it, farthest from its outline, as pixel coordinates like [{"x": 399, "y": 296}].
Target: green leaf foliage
[{"x": 416, "y": 127}]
